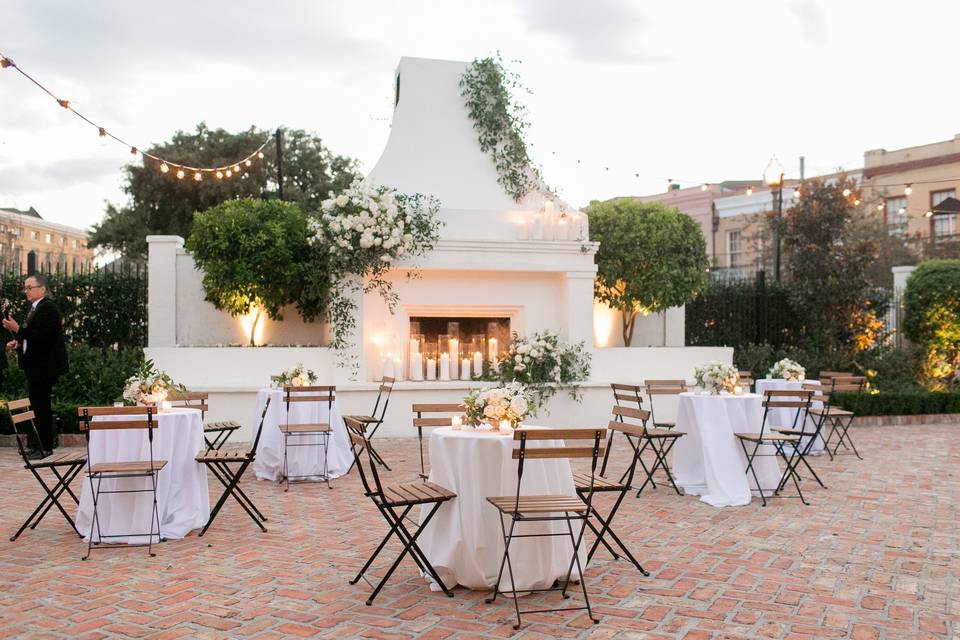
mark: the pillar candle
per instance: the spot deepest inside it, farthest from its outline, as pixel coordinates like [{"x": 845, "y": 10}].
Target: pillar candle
[
  {"x": 444, "y": 366},
  {"x": 431, "y": 368},
  {"x": 465, "y": 369},
  {"x": 493, "y": 350},
  {"x": 537, "y": 232},
  {"x": 416, "y": 366},
  {"x": 477, "y": 363},
  {"x": 454, "y": 357},
  {"x": 414, "y": 347},
  {"x": 388, "y": 366},
  {"x": 456, "y": 422},
  {"x": 562, "y": 227},
  {"x": 398, "y": 368}
]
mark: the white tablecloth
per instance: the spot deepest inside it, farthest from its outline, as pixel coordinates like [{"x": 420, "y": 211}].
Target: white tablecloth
[
  {"x": 709, "y": 460},
  {"x": 301, "y": 461},
  {"x": 464, "y": 541},
  {"x": 183, "y": 498},
  {"x": 785, "y": 417}
]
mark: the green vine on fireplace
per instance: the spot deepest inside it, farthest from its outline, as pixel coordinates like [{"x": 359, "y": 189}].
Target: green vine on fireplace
[{"x": 500, "y": 121}]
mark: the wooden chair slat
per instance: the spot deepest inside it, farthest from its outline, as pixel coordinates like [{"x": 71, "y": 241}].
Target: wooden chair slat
[
  {"x": 17, "y": 418},
  {"x": 439, "y": 408},
  {"x": 557, "y": 452},
  {"x": 432, "y": 422},
  {"x": 16, "y": 405},
  {"x": 626, "y": 427},
  {"x": 630, "y": 412},
  {"x": 97, "y": 425},
  {"x": 115, "y": 411},
  {"x": 560, "y": 434}
]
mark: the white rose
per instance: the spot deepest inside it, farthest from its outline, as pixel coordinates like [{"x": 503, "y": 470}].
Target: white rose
[
  {"x": 342, "y": 200},
  {"x": 490, "y": 411},
  {"x": 518, "y": 405}
]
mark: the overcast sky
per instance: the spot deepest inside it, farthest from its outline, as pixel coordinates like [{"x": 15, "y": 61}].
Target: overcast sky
[{"x": 694, "y": 91}]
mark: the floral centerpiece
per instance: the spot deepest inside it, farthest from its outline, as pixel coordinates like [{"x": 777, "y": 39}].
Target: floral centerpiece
[
  {"x": 299, "y": 376},
  {"x": 149, "y": 385},
  {"x": 542, "y": 362},
  {"x": 716, "y": 377},
  {"x": 510, "y": 402},
  {"x": 788, "y": 370}
]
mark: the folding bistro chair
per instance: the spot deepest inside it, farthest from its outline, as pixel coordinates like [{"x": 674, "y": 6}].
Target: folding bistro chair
[
  {"x": 548, "y": 508},
  {"x": 394, "y": 502},
  {"x": 663, "y": 388},
  {"x": 425, "y": 416},
  {"x": 64, "y": 466},
  {"x": 218, "y": 462},
  {"x": 296, "y": 432},
  {"x": 804, "y": 430},
  {"x": 778, "y": 399},
  {"x": 745, "y": 380},
  {"x": 657, "y": 439},
  {"x": 214, "y": 433},
  {"x": 132, "y": 418},
  {"x": 620, "y": 487},
  {"x": 629, "y": 395},
  {"x": 375, "y": 419},
  {"x": 840, "y": 419}
]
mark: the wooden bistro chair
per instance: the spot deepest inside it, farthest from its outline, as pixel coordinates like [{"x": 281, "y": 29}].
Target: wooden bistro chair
[
  {"x": 296, "y": 432},
  {"x": 781, "y": 442},
  {"x": 745, "y": 380},
  {"x": 806, "y": 430},
  {"x": 839, "y": 419},
  {"x": 523, "y": 509},
  {"x": 657, "y": 439},
  {"x": 218, "y": 461},
  {"x": 214, "y": 433},
  {"x": 64, "y": 466},
  {"x": 657, "y": 388},
  {"x": 373, "y": 421},
  {"x": 394, "y": 502},
  {"x": 583, "y": 482},
  {"x": 628, "y": 395},
  {"x": 133, "y": 418},
  {"x": 432, "y": 416}
]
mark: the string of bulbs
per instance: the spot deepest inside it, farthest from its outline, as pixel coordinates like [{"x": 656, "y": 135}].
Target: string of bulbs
[{"x": 165, "y": 166}]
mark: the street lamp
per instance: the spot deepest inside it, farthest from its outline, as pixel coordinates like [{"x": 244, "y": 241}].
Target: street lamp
[{"x": 773, "y": 177}]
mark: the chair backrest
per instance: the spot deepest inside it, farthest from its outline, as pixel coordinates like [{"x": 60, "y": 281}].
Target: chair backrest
[
  {"x": 386, "y": 386},
  {"x": 594, "y": 436},
  {"x": 798, "y": 399},
  {"x": 835, "y": 374},
  {"x": 847, "y": 384},
  {"x": 633, "y": 423},
  {"x": 256, "y": 438},
  {"x": 24, "y": 423},
  {"x": 191, "y": 400},
  {"x": 316, "y": 393},
  {"x": 431, "y": 415},
  {"x": 358, "y": 442},
  {"x": 663, "y": 388},
  {"x": 627, "y": 395},
  {"x": 126, "y": 418}
]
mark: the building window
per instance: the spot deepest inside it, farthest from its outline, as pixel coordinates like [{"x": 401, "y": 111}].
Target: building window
[
  {"x": 63, "y": 241},
  {"x": 944, "y": 224},
  {"x": 733, "y": 248},
  {"x": 34, "y": 235},
  {"x": 75, "y": 243},
  {"x": 896, "y": 209},
  {"x": 49, "y": 238}
]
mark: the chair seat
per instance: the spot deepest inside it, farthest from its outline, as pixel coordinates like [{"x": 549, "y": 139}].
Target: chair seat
[
  {"x": 832, "y": 411},
  {"x": 582, "y": 483},
  {"x": 665, "y": 425},
  {"x": 397, "y": 495},
  {"x": 223, "y": 455},
  {"x": 305, "y": 428},
  {"x": 226, "y": 425},
  {"x": 133, "y": 466},
  {"x": 538, "y": 504},
  {"x": 364, "y": 419},
  {"x": 767, "y": 437},
  {"x": 60, "y": 459},
  {"x": 795, "y": 432},
  {"x": 661, "y": 433}
]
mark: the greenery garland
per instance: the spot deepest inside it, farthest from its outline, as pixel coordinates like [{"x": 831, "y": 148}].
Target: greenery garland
[{"x": 500, "y": 121}]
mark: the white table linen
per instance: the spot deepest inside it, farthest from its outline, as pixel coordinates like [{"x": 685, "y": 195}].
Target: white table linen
[
  {"x": 709, "y": 460},
  {"x": 301, "y": 461},
  {"x": 464, "y": 541},
  {"x": 183, "y": 495},
  {"x": 785, "y": 417}
]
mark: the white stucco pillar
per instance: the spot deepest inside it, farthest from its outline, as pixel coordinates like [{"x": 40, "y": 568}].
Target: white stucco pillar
[
  {"x": 578, "y": 306},
  {"x": 162, "y": 290},
  {"x": 900, "y": 276}
]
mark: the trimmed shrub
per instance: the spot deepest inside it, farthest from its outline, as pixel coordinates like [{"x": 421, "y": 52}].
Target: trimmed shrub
[
  {"x": 892, "y": 403},
  {"x": 932, "y": 320}
]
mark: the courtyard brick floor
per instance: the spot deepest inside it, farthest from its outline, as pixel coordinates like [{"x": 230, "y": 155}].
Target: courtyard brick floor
[{"x": 877, "y": 555}]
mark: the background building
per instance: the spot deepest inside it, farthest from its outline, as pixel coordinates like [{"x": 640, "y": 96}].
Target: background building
[{"x": 27, "y": 241}]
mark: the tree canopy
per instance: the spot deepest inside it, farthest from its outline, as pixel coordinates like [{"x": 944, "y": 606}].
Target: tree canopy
[
  {"x": 161, "y": 204},
  {"x": 651, "y": 257}
]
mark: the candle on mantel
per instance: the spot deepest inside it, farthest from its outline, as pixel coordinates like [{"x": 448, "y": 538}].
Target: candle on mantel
[
  {"x": 454, "y": 357},
  {"x": 388, "y": 363},
  {"x": 414, "y": 347},
  {"x": 416, "y": 366},
  {"x": 431, "y": 368},
  {"x": 537, "y": 232},
  {"x": 444, "y": 366},
  {"x": 477, "y": 363},
  {"x": 465, "y": 369},
  {"x": 398, "y": 368},
  {"x": 492, "y": 350},
  {"x": 456, "y": 422}
]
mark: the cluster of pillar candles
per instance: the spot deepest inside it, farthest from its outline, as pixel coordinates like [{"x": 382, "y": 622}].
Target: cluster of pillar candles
[
  {"x": 550, "y": 224},
  {"x": 449, "y": 360}
]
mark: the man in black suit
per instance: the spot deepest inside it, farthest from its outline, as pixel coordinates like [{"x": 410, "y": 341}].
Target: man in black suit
[{"x": 42, "y": 355}]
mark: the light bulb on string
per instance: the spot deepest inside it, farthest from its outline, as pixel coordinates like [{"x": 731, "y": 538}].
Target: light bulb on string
[
  {"x": 219, "y": 175},
  {"x": 880, "y": 207},
  {"x": 236, "y": 168},
  {"x": 248, "y": 163},
  {"x": 846, "y": 193},
  {"x": 164, "y": 168},
  {"x": 703, "y": 187},
  {"x": 5, "y": 62},
  {"x": 749, "y": 191},
  {"x": 229, "y": 173},
  {"x": 260, "y": 154},
  {"x": 197, "y": 176},
  {"x": 856, "y": 202},
  {"x": 901, "y": 210},
  {"x": 797, "y": 193},
  {"x": 907, "y": 190},
  {"x": 180, "y": 174},
  {"x": 928, "y": 214}
]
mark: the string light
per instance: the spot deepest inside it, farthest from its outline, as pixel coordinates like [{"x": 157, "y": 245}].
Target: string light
[
  {"x": 703, "y": 187},
  {"x": 797, "y": 193},
  {"x": 856, "y": 202},
  {"x": 749, "y": 191},
  {"x": 928, "y": 214},
  {"x": 907, "y": 190},
  {"x": 164, "y": 165},
  {"x": 846, "y": 193},
  {"x": 219, "y": 175},
  {"x": 880, "y": 207}
]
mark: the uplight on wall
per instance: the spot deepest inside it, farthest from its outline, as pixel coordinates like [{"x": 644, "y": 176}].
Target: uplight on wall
[
  {"x": 604, "y": 324},
  {"x": 253, "y": 324}
]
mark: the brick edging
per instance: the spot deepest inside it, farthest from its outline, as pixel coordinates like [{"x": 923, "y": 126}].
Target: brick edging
[
  {"x": 66, "y": 440},
  {"x": 901, "y": 421}
]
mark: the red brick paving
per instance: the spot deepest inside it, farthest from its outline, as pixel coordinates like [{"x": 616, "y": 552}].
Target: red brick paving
[{"x": 876, "y": 556}]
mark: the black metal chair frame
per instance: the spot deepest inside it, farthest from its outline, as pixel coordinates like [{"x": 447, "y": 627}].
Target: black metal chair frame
[
  {"x": 778, "y": 442},
  {"x": 386, "y": 384},
  {"x": 841, "y": 423},
  {"x": 330, "y": 392},
  {"x": 803, "y": 432},
  {"x": 373, "y": 489},
  {"x": 72, "y": 464},
  {"x": 218, "y": 461},
  {"x": 623, "y": 486},
  {"x": 681, "y": 385},
  {"x": 222, "y": 429},
  {"x": 516, "y": 516},
  {"x": 87, "y": 423},
  {"x": 421, "y": 423},
  {"x": 630, "y": 393}
]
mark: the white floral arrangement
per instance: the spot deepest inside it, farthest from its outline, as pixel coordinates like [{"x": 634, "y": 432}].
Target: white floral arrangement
[
  {"x": 788, "y": 369},
  {"x": 716, "y": 377},
  {"x": 543, "y": 362},
  {"x": 149, "y": 385},
  {"x": 299, "y": 376},
  {"x": 510, "y": 402}
]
